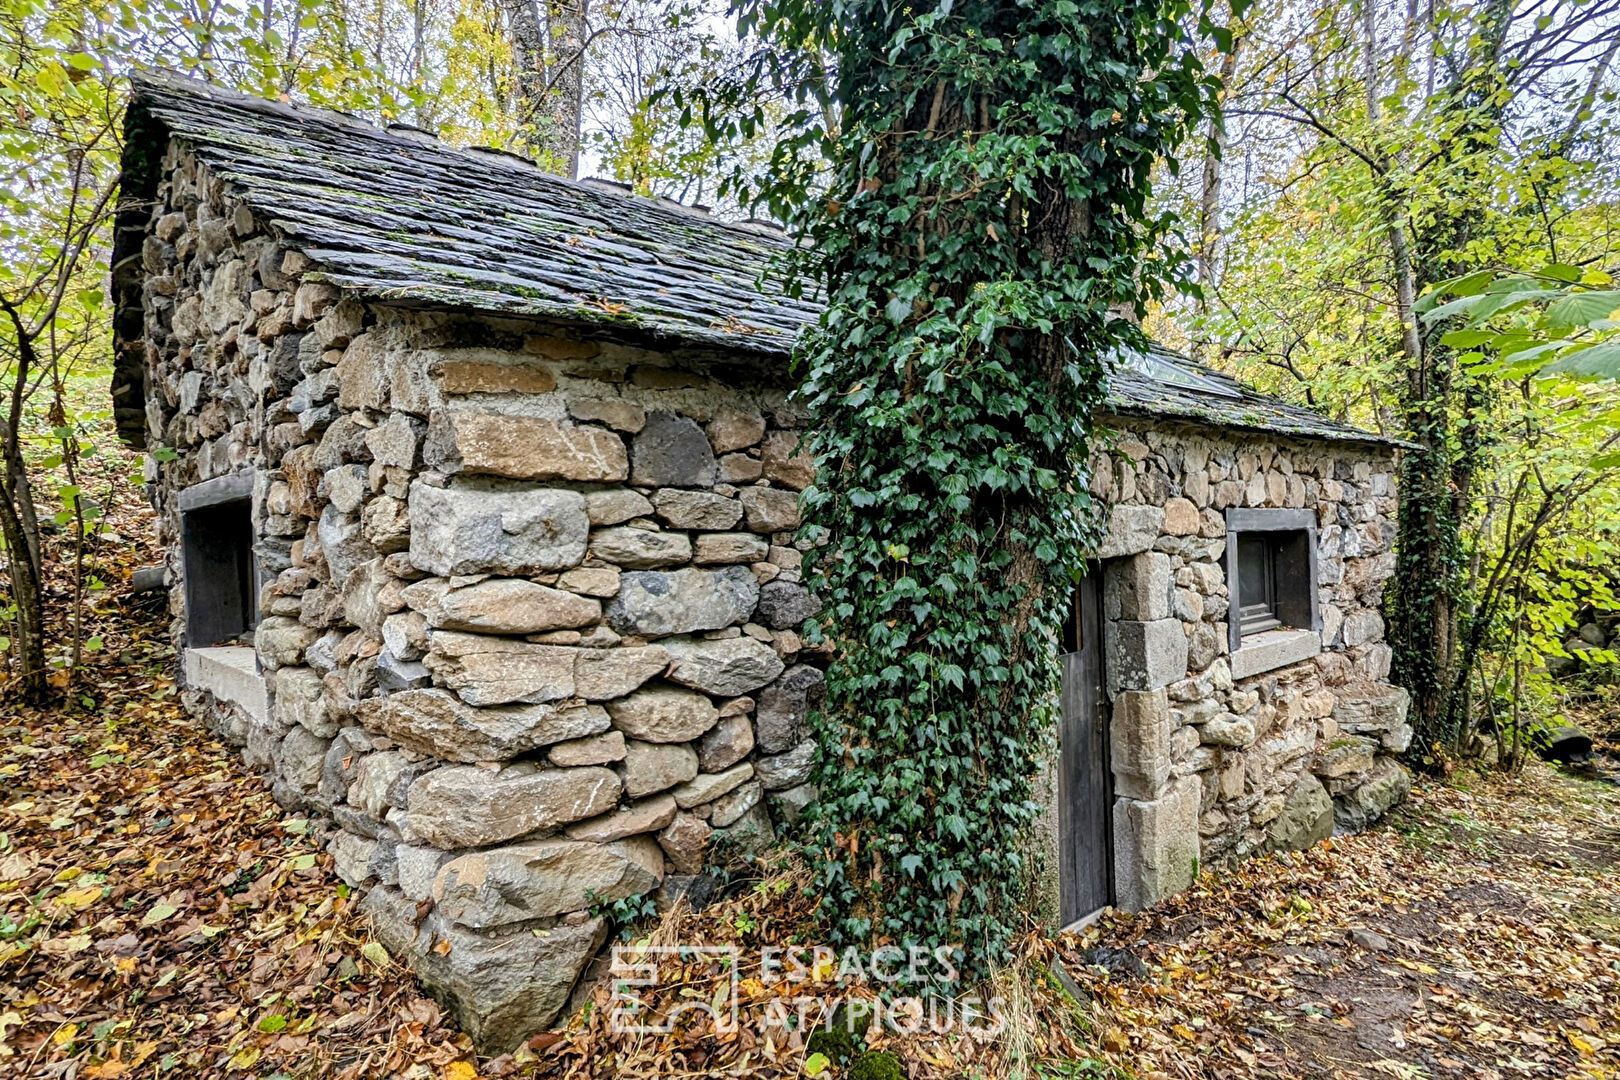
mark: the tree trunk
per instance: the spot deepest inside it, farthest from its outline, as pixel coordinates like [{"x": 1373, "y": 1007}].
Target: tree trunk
[
  {"x": 1438, "y": 476},
  {"x": 565, "y": 91},
  {"x": 1209, "y": 203},
  {"x": 548, "y": 53}
]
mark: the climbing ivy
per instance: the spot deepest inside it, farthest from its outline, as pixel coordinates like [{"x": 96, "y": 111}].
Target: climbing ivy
[{"x": 968, "y": 182}]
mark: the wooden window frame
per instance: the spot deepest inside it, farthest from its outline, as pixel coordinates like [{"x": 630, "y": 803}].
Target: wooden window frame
[{"x": 1290, "y": 537}]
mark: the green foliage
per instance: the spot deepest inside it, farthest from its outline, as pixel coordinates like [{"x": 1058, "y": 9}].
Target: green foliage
[
  {"x": 1560, "y": 320},
  {"x": 877, "y": 1065},
  {"x": 972, "y": 200},
  {"x": 1417, "y": 162},
  {"x": 836, "y": 1044}
]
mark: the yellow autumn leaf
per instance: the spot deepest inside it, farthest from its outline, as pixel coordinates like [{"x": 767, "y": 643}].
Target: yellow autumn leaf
[
  {"x": 1581, "y": 1043},
  {"x": 64, "y": 1034},
  {"x": 80, "y": 898},
  {"x": 460, "y": 1070}
]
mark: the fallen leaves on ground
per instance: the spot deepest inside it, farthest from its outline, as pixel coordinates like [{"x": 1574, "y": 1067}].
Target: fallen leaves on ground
[
  {"x": 160, "y": 915},
  {"x": 159, "y": 911},
  {"x": 1474, "y": 935}
]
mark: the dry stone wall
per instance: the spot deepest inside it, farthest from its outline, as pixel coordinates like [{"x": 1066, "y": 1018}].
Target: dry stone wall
[
  {"x": 530, "y": 604},
  {"x": 1216, "y": 754},
  {"x": 529, "y": 610}
]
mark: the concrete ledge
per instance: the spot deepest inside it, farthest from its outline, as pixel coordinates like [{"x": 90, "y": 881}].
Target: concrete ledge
[
  {"x": 1274, "y": 649},
  {"x": 230, "y": 673}
]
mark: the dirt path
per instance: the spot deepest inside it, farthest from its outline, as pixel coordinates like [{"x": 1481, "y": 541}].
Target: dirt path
[{"x": 1477, "y": 934}]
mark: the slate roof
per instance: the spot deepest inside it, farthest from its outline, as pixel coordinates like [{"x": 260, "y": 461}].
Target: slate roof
[{"x": 401, "y": 218}]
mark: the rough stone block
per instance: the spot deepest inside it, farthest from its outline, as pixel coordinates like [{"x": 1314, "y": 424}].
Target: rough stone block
[
  {"x": 1144, "y": 655},
  {"x": 648, "y": 815},
  {"x": 1130, "y": 531},
  {"x": 482, "y": 530},
  {"x": 707, "y": 787},
  {"x": 1139, "y": 737},
  {"x": 1387, "y": 783},
  {"x": 784, "y": 708},
  {"x": 1367, "y": 709},
  {"x": 1362, "y": 626},
  {"x": 730, "y": 431},
  {"x": 603, "y": 749},
  {"x": 784, "y": 605},
  {"x": 725, "y": 668},
  {"x": 770, "y": 510},
  {"x": 1138, "y": 587},
  {"x": 1227, "y": 730},
  {"x": 487, "y": 670},
  {"x": 663, "y": 714},
  {"x": 489, "y": 371},
  {"x": 787, "y": 770},
  {"x": 672, "y": 451},
  {"x": 615, "y": 506},
  {"x": 1181, "y": 517},
  {"x": 602, "y": 674},
  {"x": 640, "y": 549},
  {"x": 279, "y": 642},
  {"x": 727, "y": 743},
  {"x": 682, "y": 509},
  {"x": 658, "y": 603},
  {"x": 501, "y": 606},
  {"x": 523, "y": 447},
  {"x": 618, "y": 415},
  {"x": 437, "y": 723},
  {"x": 1346, "y": 756},
  {"x": 467, "y": 806},
  {"x": 650, "y": 767},
  {"x": 537, "y": 878},
  {"x": 502, "y": 986},
  {"x": 301, "y": 700},
  {"x": 1156, "y": 845},
  {"x": 785, "y": 462},
  {"x": 684, "y": 841},
  {"x": 723, "y": 548}
]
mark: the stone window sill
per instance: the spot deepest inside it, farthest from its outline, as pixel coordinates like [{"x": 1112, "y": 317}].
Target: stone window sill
[
  {"x": 230, "y": 673},
  {"x": 1273, "y": 649}
]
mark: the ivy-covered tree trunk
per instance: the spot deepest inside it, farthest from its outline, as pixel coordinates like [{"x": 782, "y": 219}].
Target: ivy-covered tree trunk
[
  {"x": 986, "y": 218},
  {"x": 1441, "y": 409}
]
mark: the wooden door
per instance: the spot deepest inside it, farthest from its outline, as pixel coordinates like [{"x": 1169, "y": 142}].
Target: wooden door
[{"x": 1085, "y": 780}]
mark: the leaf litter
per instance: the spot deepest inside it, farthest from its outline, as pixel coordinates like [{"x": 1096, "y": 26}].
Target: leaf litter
[{"x": 161, "y": 915}]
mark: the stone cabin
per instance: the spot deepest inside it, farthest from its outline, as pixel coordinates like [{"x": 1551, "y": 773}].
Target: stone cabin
[{"x": 479, "y": 494}]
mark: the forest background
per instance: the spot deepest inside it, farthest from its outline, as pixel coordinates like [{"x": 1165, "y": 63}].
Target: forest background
[{"x": 1408, "y": 220}]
